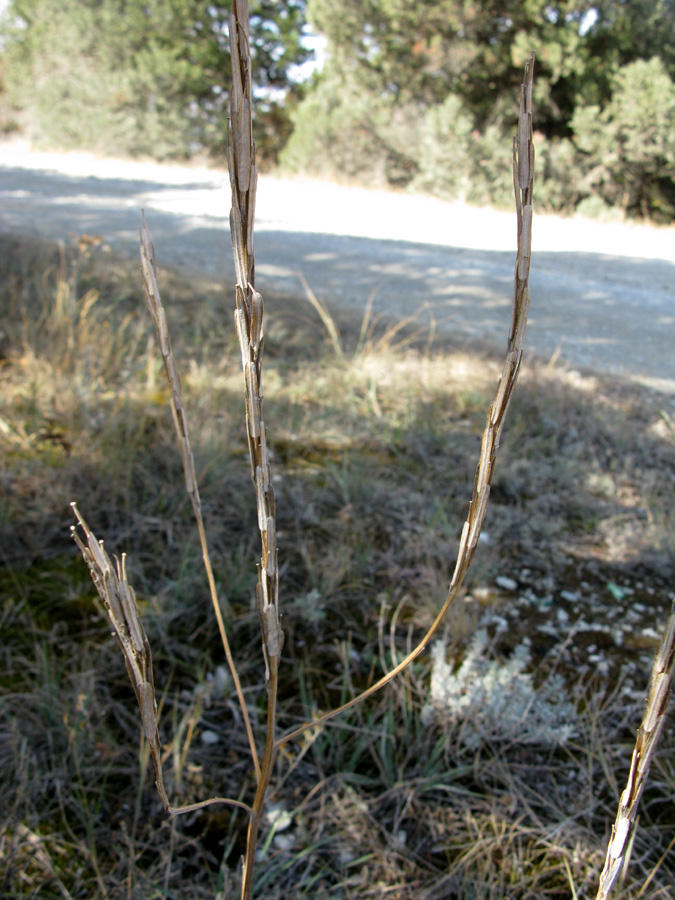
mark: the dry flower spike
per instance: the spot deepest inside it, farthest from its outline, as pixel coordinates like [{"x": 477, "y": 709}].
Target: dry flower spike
[
  {"x": 645, "y": 745},
  {"x": 119, "y": 600}
]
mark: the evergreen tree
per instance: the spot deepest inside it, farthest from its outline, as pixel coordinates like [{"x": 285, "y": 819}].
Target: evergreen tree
[
  {"x": 629, "y": 146},
  {"x": 421, "y": 52},
  {"x": 422, "y": 92},
  {"x": 142, "y": 76}
]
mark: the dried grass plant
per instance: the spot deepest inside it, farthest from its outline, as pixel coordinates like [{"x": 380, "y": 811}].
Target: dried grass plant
[
  {"x": 111, "y": 580},
  {"x": 660, "y": 685}
]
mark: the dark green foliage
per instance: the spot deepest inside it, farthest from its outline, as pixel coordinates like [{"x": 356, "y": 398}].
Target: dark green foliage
[
  {"x": 422, "y": 94},
  {"x": 629, "y": 145},
  {"x": 140, "y": 77},
  {"x": 421, "y": 52}
]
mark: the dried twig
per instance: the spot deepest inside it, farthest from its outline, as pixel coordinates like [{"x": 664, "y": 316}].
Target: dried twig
[
  {"x": 645, "y": 745},
  {"x": 120, "y": 603},
  {"x": 111, "y": 582}
]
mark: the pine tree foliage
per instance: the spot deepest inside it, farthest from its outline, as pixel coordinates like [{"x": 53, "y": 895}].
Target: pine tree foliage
[
  {"x": 140, "y": 76},
  {"x": 629, "y": 145},
  {"x": 419, "y": 94},
  {"x": 415, "y": 93}
]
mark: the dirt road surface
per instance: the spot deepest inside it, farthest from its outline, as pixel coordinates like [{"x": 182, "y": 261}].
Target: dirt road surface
[{"x": 603, "y": 295}]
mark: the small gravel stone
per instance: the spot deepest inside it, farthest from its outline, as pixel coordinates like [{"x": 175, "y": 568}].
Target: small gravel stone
[
  {"x": 506, "y": 583},
  {"x": 284, "y": 841}
]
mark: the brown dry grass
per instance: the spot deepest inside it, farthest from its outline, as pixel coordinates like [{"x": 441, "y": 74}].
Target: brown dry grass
[{"x": 370, "y": 509}]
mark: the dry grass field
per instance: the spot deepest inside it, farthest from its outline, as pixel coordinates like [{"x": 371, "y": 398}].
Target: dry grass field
[{"x": 373, "y": 438}]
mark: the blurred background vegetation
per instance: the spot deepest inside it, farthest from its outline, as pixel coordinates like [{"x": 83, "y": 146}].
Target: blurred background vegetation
[{"x": 408, "y": 94}]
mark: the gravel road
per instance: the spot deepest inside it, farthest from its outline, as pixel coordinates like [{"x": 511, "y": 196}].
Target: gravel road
[{"x": 604, "y": 294}]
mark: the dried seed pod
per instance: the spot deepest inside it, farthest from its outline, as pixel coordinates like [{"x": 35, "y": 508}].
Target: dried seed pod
[
  {"x": 237, "y": 87},
  {"x": 260, "y": 496},
  {"x": 524, "y": 130},
  {"x": 264, "y": 456},
  {"x": 252, "y": 195},
  {"x": 243, "y": 145},
  {"x": 271, "y": 547},
  {"x": 253, "y": 398},
  {"x": 148, "y": 706}
]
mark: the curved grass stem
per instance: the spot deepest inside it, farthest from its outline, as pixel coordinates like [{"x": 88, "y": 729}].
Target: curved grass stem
[{"x": 523, "y": 176}]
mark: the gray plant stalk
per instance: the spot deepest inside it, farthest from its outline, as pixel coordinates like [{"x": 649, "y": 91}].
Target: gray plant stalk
[
  {"x": 153, "y": 301},
  {"x": 523, "y": 178}
]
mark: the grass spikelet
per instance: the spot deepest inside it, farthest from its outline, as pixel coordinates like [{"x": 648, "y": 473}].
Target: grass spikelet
[
  {"x": 119, "y": 600},
  {"x": 648, "y": 736}
]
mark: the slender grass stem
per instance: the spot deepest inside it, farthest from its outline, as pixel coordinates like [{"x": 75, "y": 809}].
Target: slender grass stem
[
  {"x": 119, "y": 600},
  {"x": 523, "y": 177},
  {"x": 248, "y": 320},
  {"x": 154, "y": 304},
  {"x": 269, "y": 759},
  {"x": 648, "y": 736}
]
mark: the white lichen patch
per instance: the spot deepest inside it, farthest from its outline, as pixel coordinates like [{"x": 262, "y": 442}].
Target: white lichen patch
[{"x": 497, "y": 701}]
